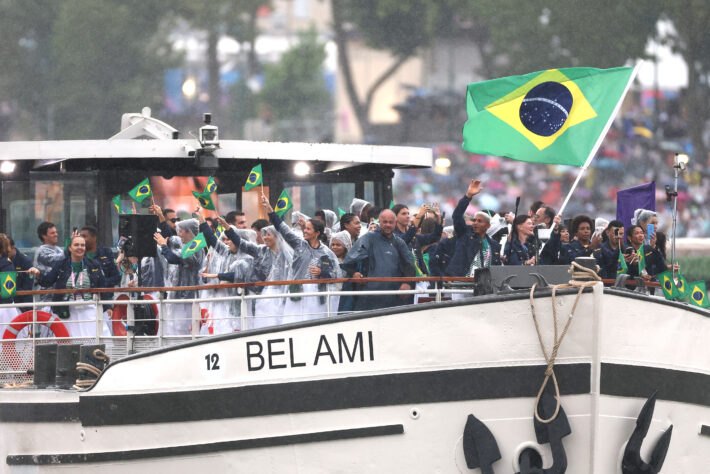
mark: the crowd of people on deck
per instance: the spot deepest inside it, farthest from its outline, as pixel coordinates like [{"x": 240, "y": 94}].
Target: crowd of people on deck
[{"x": 365, "y": 242}]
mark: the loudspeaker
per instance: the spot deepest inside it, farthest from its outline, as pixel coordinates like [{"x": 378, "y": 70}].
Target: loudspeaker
[{"x": 138, "y": 230}]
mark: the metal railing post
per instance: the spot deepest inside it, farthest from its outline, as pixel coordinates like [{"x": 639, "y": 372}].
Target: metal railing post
[
  {"x": 130, "y": 325},
  {"x": 327, "y": 301},
  {"x": 243, "y": 308},
  {"x": 195, "y": 328},
  {"x": 161, "y": 318},
  {"x": 99, "y": 317}
]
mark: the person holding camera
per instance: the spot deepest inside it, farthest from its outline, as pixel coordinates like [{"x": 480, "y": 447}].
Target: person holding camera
[
  {"x": 608, "y": 255},
  {"x": 642, "y": 260}
]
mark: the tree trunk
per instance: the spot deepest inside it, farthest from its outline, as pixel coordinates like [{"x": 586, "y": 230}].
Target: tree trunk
[{"x": 361, "y": 109}]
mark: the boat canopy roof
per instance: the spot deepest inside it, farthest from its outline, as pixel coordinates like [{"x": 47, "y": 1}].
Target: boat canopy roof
[{"x": 60, "y": 150}]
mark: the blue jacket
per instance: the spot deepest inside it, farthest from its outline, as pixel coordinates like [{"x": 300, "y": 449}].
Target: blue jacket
[
  {"x": 24, "y": 283},
  {"x": 468, "y": 243},
  {"x": 608, "y": 261},
  {"x": 60, "y": 273},
  {"x": 441, "y": 256},
  {"x": 575, "y": 249},
  {"x": 519, "y": 253},
  {"x": 655, "y": 263},
  {"x": 554, "y": 253}
]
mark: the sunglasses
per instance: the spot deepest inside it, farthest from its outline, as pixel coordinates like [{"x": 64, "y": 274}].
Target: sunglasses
[{"x": 175, "y": 219}]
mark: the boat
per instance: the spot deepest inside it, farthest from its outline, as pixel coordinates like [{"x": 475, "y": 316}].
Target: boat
[{"x": 537, "y": 370}]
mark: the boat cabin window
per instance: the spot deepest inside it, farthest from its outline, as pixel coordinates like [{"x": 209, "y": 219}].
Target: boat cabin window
[{"x": 67, "y": 200}]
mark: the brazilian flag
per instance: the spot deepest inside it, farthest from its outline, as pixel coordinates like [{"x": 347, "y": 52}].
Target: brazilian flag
[
  {"x": 194, "y": 246},
  {"x": 283, "y": 203},
  {"x": 211, "y": 186},
  {"x": 8, "y": 284},
  {"x": 341, "y": 213},
  {"x": 141, "y": 192},
  {"x": 556, "y": 116},
  {"x": 220, "y": 230},
  {"x": 205, "y": 200},
  {"x": 670, "y": 291},
  {"x": 391, "y": 204},
  {"x": 417, "y": 271},
  {"x": 698, "y": 294},
  {"x": 641, "y": 259},
  {"x": 621, "y": 266},
  {"x": 117, "y": 203},
  {"x": 682, "y": 286},
  {"x": 254, "y": 178}
]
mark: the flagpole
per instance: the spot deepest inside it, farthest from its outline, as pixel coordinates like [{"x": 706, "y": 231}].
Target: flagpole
[{"x": 601, "y": 137}]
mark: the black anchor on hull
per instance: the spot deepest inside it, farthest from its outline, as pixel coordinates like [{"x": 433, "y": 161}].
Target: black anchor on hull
[
  {"x": 632, "y": 462},
  {"x": 552, "y": 432},
  {"x": 479, "y": 446}
]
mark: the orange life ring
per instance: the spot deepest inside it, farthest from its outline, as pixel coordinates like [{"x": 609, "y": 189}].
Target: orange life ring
[
  {"x": 118, "y": 316},
  {"x": 22, "y": 320}
]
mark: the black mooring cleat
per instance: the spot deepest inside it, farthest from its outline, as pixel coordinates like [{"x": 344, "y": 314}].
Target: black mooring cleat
[{"x": 632, "y": 462}]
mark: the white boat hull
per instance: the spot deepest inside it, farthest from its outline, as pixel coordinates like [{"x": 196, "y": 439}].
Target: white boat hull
[{"x": 387, "y": 391}]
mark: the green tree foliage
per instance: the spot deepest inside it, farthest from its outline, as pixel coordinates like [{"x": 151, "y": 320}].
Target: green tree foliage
[
  {"x": 79, "y": 64},
  {"x": 108, "y": 61},
  {"x": 520, "y": 37},
  {"x": 27, "y": 62},
  {"x": 399, "y": 27},
  {"x": 294, "y": 87},
  {"x": 691, "y": 40}
]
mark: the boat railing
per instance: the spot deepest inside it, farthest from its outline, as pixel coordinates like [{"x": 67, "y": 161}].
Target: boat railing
[{"x": 37, "y": 322}]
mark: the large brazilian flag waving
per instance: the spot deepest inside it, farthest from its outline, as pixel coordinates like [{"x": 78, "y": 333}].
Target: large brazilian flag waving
[{"x": 555, "y": 116}]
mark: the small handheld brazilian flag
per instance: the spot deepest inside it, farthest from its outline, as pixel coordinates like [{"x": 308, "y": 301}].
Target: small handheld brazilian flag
[
  {"x": 141, "y": 192},
  {"x": 641, "y": 258},
  {"x": 254, "y": 178},
  {"x": 621, "y": 266},
  {"x": 341, "y": 213},
  {"x": 117, "y": 203},
  {"x": 670, "y": 291},
  {"x": 211, "y": 186},
  {"x": 283, "y": 203},
  {"x": 205, "y": 200},
  {"x": 194, "y": 246},
  {"x": 682, "y": 286},
  {"x": 698, "y": 294},
  {"x": 8, "y": 284},
  {"x": 391, "y": 204}
]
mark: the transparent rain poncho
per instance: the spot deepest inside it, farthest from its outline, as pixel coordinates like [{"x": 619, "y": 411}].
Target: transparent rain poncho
[
  {"x": 188, "y": 269},
  {"x": 302, "y": 308},
  {"x": 357, "y": 206},
  {"x": 171, "y": 271},
  {"x": 225, "y": 315},
  {"x": 268, "y": 265}
]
